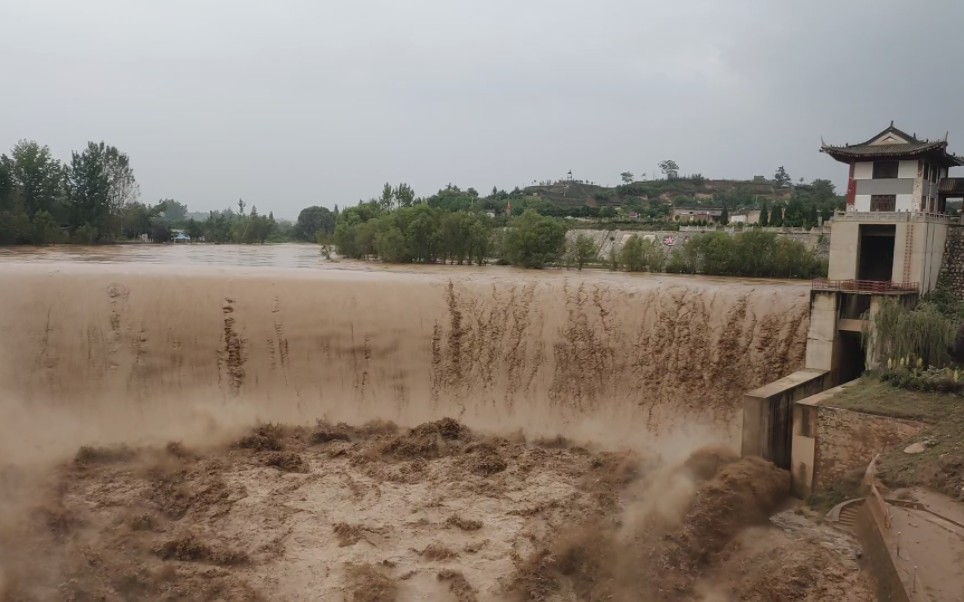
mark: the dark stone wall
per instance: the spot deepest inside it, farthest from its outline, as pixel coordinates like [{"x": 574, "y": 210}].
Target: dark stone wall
[{"x": 951, "y": 277}]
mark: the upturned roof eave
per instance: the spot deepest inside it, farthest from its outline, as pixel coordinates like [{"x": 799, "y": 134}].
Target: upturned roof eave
[{"x": 848, "y": 154}]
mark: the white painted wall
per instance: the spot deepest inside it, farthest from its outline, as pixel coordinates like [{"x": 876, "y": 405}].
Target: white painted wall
[
  {"x": 864, "y": 171},
  {"x": 862, "y": 202},
  {"x": 907, "y": 169}
]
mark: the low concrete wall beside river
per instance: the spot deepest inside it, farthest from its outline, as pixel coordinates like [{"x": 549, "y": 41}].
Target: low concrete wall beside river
[{"x": 671, "y": 240}]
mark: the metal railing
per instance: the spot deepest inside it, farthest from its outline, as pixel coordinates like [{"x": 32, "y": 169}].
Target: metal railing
[{"x": 864, "y": 286}]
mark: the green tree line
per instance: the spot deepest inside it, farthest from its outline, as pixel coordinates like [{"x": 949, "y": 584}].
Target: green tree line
[
  {"x": 423, "y": 233},
  {"x": 45, "y": 201}
]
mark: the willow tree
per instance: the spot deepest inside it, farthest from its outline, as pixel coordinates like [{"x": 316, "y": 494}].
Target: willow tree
[{"x": 922, "y": 333}]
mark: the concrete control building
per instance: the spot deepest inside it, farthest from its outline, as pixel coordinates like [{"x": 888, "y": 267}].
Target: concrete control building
[{"x": 889, "y": 243}]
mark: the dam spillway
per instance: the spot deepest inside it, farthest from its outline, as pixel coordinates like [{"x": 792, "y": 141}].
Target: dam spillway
[{"x": 118, "y": 351}]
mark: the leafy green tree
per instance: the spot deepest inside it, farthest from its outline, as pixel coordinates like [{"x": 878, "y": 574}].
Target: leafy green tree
[
  {"x": 15, "y": 226},
  {"x": 100, "y": 182},
  {"x": 717, "y": 253},
  {"x": 254, "y": 228},
  {"x": 581, "y": 251},
  {"x": 194, "y": 229},
  {"x": 171, "y": 212},
  {"x": 423, "y": 234},
  {"x": 160, "y": 233},
  {"x": 811, "y": 216},
  {"x": 6, "y": 184},
  {"x": 639, "y": 255},
  {"x": 266, "y": 227},
  {"x": 37, "y": 177},
  {"x": 781, "y": 178},
  {"x": 391, "y": 245},
  {"x": 452, "y": 198},
  {"x": 313, "y": 221},
  {"x": 136, "y": 219},
  {"x": 354, "y": 235},
  {"x": 627, "y": 177},
  {"x": 794, "y": 213},
  {"x": 534, "y": 240},
  {"x": 219, "y": 226},
  {"x": 750, "y": 253},
  {"x": 387, "y": 198},
  {"x": 776, "y": 215},
  {"x": 764, "y": 215},
  {"x": 45, "y": 229},
  {"x": 464, "y": 237},
  {"x": 404, "y": 195},
  {"x": 725, "y": 215},
  {"x": 480, "y": 239},
  {"x": 670, "y": 169}
]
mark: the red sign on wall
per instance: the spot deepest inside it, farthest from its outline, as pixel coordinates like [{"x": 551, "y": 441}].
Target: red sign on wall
[{"x": 851, "y": 187}]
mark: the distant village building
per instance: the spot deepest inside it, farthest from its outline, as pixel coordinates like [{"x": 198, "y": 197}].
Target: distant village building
[
  {"x": 691, "y": 216},
  {"x": 746, "y": 217}
]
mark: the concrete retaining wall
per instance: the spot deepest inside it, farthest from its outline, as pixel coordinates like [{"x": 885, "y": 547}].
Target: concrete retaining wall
[
  {"x": 606, "y": 240},
  {"x": 870, "y": 530},
  {"x": 768, "y": 414},
  {"x": 830, "y": 442}
]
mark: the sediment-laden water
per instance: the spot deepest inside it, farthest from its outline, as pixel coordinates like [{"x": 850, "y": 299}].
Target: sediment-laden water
[{"x": 133, "y": 343}]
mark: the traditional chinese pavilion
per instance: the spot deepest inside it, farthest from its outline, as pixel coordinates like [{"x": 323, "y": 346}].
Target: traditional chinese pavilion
[{"x": 896, "y": 171}]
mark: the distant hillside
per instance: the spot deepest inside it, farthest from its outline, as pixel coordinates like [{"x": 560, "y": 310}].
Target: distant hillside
[{"x": 680, "y": 191}]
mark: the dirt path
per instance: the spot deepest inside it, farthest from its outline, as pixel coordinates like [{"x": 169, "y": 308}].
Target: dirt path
[{"x": 931, "y": 543}]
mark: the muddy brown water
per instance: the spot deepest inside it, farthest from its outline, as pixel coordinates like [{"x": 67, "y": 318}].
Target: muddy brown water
[{"x": 144, "y": 343}]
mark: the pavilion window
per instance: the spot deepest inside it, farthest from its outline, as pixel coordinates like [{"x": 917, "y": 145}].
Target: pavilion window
[
  {"x": 883, "y": 202},
  {"x": 886, "y": 170}
]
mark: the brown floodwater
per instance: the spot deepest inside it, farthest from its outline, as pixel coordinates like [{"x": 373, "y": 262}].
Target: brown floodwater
[
  {"x": 142, "y": 343},
  {"x": 175, "y": 351}
]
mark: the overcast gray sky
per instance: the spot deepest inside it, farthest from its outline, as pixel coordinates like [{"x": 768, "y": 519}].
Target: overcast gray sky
[{"x": 297, "y": 102}]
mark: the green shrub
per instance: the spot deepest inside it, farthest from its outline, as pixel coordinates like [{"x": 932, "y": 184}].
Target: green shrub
[
  {"x": 917, "y": 378},
  {"x": 921, "y": 334},
  {"x": 639, "y": 255}
]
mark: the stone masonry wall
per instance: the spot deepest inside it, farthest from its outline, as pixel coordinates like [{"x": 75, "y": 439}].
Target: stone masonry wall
[
  {"x": 952, "y": 267},
  {"x": 848, "y": 441}
]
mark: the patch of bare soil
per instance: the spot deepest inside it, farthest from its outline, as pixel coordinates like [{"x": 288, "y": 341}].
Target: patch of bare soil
[{"x": 378, "y": 513}]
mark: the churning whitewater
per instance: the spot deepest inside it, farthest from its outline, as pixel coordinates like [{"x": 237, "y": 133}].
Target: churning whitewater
[{"x": 175, "y": 431}]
